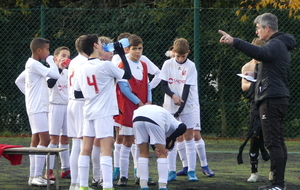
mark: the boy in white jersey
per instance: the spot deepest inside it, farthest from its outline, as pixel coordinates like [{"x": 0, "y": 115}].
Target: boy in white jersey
[
  {"x": 97, "y": 173},
  {"x": 179, "y": 82},
  {"x": 156, "y": 123},
  {"x": 96, "y": 81},
  {"x": 32, "y": 82},
  {"x": 58, "y": 91},
  {"x": 75, "y": 113}
]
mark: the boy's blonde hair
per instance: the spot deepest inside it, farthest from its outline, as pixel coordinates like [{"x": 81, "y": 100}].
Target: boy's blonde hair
[
  {"x": 135, "y": 40},
  {"x": 258, "y": 42},
  {"x": 105, "y": 40},
  {"x": 38, "y": 43},
  {"x": 181, "y": 46},
  {"x": 57, "y": 50},
  {"x": 78, "y": 44}
]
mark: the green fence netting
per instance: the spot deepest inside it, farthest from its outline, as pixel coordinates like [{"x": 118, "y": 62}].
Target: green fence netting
[{"x": 224, "y": 108}]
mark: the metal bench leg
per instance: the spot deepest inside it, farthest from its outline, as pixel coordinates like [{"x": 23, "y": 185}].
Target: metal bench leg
[
  {"x": 57, "y": 171},
  {"x": 48, "y": 169}
]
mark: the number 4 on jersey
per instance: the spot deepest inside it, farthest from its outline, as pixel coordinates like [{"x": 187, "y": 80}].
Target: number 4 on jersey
[{"x": 93, "y": 83}]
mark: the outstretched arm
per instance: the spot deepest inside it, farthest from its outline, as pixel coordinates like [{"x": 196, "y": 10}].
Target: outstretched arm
[{"x": 119, "y": 49}]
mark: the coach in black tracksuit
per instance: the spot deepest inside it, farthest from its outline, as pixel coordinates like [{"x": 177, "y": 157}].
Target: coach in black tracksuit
[{"x": 271, "y": 90}]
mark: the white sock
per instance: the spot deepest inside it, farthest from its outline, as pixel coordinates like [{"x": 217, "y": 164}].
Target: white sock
[
  {"x": 200, "y": 148},
  {"x": 182, "y": 153},
  {"x": 39, "y": 163},
  {"x": 106, "y": 167},
  {"x": 136, "y": 157},
  {"x": 162, "y": 168},
  {"x": 32, "y": 164},
  {"x": 144, "y": 168},
  {"x": 191, "y": 154},
  {"x": 172, "y": 158},
  {"x": 83, "y": 168},
  {"x": 76, "y": 147},
  {"x": 100, "y": 156},
  {"x": 117, "y": 155},
  {"x": 65, "y": 156},
  {"x": 51, "y": 165},
  {"x": 96, "y": 162},
  {"x": 124, "y": 161}
]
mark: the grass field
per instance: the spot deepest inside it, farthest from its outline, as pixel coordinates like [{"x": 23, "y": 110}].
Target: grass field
[{"x": 221, "y": 155}]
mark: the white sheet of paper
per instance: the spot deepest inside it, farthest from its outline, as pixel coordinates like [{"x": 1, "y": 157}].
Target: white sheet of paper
[{"x": 247, "y": 77}]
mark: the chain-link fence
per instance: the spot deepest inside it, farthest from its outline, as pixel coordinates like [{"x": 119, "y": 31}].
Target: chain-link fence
[{"x": 224, "y": 109}]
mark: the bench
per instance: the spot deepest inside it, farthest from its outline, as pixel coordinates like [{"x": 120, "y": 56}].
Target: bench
[{"x": 39, "y": 151}]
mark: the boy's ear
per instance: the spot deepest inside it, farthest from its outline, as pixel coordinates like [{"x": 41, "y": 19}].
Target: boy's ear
[
  {"x": 96, "y": 45},
  {"x": 126, "y": 49},
  {"x": 54, "y": 58}
]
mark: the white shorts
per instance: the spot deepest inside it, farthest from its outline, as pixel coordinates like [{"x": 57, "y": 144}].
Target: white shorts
[
  {"x": 117, "y": 124},
  {"x": 58, "y": 119},
  {"x": 145, "y": 130},
  {"x": 75, "y": 118},
  {"x": 100, "y": 128},
  {"x": 197, "y": 127},
  {"x": 39, "y": 122},
  {"x": 127, "y": 131},
  {"x": 188, "y": 119}
]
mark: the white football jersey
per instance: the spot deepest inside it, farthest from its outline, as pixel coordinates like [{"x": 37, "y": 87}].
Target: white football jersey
[
  {"x": 96, "y": 80},
  {"x": 177, "y": 75},
  {"x": 36, "y": 89},
  {"x": 160, "y": 115},
  {"x": 74, "y": 65},
  {"x": 58, "y": 94}
]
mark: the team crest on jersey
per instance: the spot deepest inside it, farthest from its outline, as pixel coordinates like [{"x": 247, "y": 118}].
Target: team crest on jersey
[{"x": 184, "y": 72}]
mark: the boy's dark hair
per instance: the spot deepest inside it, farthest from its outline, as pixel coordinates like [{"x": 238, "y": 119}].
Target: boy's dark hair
[
  {"x": 88, "y": 43},
  {"x": 124, "y": 35},
  {"x": 57, "y": 50},
  {"x": 78, "y": 44},
  {"x": 37, "y": 43},
  {"x": 135, "y": 40},
  {"x": 181, "y": 46}
]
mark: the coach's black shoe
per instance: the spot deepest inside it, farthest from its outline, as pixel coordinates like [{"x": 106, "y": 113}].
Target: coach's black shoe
[
  {"x": 271, "y": 187},
  {"x": 122, "y": 181}
]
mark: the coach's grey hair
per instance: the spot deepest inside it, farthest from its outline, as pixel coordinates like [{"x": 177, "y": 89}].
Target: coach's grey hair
[{"x": 267, "y": 19}]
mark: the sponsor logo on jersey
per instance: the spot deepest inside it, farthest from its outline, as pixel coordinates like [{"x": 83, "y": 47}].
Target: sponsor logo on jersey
[
  {"x": 171, "y": 81},
  {"x": 61, "y": 87}
]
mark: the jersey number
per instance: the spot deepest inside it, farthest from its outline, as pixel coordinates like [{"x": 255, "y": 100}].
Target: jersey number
[{"x": 93, "y": 83}]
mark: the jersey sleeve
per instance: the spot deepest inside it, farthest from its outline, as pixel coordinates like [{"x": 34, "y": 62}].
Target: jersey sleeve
[
  {"x": 40, "y": 69},
  {"x": 164, "y": 71},
  {"x": 191, "y": 78},
  {"x": 114, "y": 71},
  {"x": 20, "y": 82}
]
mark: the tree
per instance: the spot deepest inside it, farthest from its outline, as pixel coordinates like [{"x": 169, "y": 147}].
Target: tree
[{"x": 292, "y": 5}]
